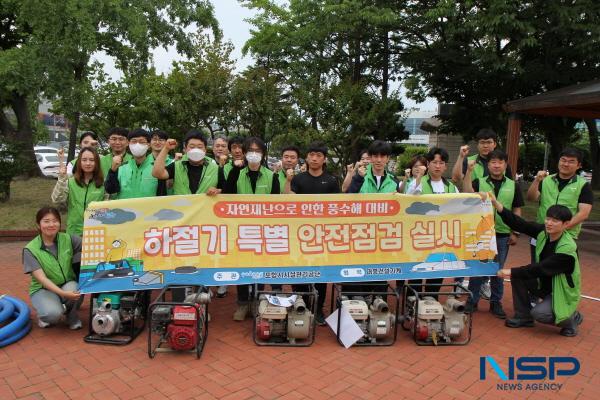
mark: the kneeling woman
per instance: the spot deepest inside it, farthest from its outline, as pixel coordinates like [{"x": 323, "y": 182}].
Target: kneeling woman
[{"x": 48, "y": 258}]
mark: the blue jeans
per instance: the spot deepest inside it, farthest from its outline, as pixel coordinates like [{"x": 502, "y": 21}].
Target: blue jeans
[
  {"x": 496, "y": 283},
  {"x": 49, "y": 305}
]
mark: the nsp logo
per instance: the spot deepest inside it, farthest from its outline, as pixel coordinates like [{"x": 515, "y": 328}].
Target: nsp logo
[{"x": 531, "y": 368}]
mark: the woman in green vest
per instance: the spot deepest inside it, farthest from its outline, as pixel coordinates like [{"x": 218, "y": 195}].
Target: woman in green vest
[
  {"x": 86, "y": 185},
  {"x": 48, "y": 258},
  {"x": 416, "y": 169},
  {"x": 554, "y": 277},
  {"x": 250, "y": 178}
]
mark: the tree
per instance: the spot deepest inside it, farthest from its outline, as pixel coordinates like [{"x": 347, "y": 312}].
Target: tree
[
  {"x": 477, "y": 55},
  {"x": 335, "y": 61},
  {"x": 51, "y": 44}
]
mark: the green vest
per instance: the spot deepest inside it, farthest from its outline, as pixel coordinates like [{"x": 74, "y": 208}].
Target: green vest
[
  {"x": 57, "y": 269},
  {"x": 282, "y": 179},
  {"x": 137, "y": 181},
  {"x": 565, "y": 298},
  {"x": 79, "y": 198},
  {"x": 505, "y": 196},
  {"x": 568, "y": 197},
  {"x": 426, "y": 187},
  {"x": 227, "y": 168},
  {"x": 479, "y": 170},
  {"x": 209, "y": 178},
  {"x": 264, "y": 183},
  {"x": 388, "y": 184},
  {"x": 106, "y": 162},
  {"x": 407, "y": 184}
]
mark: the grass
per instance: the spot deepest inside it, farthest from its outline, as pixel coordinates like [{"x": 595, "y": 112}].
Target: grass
[{"x": 27, "y": 196}]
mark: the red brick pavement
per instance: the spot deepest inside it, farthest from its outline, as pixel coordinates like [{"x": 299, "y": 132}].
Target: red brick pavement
[{"x": 56, "y": 364}]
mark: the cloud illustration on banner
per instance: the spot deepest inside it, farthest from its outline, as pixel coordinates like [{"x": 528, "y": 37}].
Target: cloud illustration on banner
[
  {"x": 421, "y": 208},
  {"x": 165, "y": 215},
  {"x": 469, "y": 205},
  {"x": 114, "y": 216}
]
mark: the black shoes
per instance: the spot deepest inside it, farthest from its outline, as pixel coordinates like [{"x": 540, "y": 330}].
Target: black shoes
[
  {"x": 497, "y": 310},
  {"x": 470, "y": 308},
  {"x": 519, "y": 323},
  {"x": 572, "y": 332}
]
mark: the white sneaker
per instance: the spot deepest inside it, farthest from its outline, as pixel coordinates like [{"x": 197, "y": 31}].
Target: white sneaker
[
  {"x": 486, "y": 290},
  {"x": 75, "y": 325},
  {"x": 43, "y": 324}
]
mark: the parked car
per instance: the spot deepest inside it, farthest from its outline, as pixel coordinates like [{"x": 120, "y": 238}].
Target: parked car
[
  {"x": 45, "y": 150},
  {"x": 48, "y": 164}
]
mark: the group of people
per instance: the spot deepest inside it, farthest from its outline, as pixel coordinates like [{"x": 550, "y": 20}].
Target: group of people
[{"x": 546, "y": 290}]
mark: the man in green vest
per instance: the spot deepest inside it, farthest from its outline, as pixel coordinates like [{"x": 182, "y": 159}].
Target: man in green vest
[
  {"x": 487, "y": 141},
  {"x": 133, "y": 179},
  {"x": 509, "y": 195},
  {"x": 374, "y": 178},
  {"x": 289, "y": 160},
  {"x": 117, "y": 141},
  {"x": 554, "y": 277},
  {"x": 195, "y": 173},
  {"x": 565, "y": 188},
  {"x": 235, "y": 146},
  {"x": 253, "y": 177}
]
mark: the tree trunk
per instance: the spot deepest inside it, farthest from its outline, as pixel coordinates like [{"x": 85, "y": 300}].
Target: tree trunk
[
  {"x": 74, "y": 126},
  {"x": 24, "y": 135},
  {"x": 594, "y": 152},
  {"x": 386, "y": 66},
  {"x": 559, "y": 132}
]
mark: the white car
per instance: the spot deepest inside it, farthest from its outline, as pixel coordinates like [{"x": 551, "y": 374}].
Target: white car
[
  {"x": 45, "y": 150},
  {"x": 48, "y": 164}
]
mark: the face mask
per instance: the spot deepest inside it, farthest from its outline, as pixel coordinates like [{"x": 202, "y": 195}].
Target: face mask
[
  {"x": 196, "y": 154},
  {"x": 138, "y": 149},
  {"x": 253, "y": 157}
]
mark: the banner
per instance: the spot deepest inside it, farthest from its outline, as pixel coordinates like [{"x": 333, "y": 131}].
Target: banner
[{"x": 141, "y": 244}]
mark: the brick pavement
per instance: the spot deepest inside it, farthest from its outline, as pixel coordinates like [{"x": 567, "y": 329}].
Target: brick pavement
[{"x": 56, "y": 364}]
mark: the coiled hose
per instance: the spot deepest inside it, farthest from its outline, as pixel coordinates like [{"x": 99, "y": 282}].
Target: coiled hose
[{"x": 16, "y": 313}]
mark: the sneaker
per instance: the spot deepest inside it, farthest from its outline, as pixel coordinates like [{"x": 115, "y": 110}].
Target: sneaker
[
  {"x": 578, "y": 318},
  {"x": 485, "y": 291},
  {"x": 241, "y": 313},
  {"x": 43, "y": 324},
  {"x": 519, "y": 323},
  {"x": 497, "y": 310},
  {"x": 75, "y": 325},
  {"x": 320, "y": 319},
  {"x": 568, "y": 332},
  {"x": 221, "y": 291}
]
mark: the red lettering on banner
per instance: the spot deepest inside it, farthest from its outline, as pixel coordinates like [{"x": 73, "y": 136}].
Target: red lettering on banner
[{"x": 303, "y": 209}]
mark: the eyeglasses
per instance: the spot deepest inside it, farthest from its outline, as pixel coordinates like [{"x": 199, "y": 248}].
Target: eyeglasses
[{"x": 137, "y": 141}]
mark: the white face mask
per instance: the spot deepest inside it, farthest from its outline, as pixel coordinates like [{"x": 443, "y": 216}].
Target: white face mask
[
  {"x": 196, "y": 154},
  {"x": 138, "y": 149},
  {"x": 253, "y": 158}
]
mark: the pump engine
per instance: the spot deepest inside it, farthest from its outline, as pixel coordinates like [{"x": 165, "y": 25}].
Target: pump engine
[
  {"x": 374, "y": 319},
  {"x": 279, "y": 324}
]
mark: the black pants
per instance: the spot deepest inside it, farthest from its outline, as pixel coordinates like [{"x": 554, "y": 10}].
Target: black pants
[
  {"x": 322, "y": 293},
  {"x": 427, "y": 285},
  {"x": 523, "y": 290},
  {"x": 375, "y": 286}
]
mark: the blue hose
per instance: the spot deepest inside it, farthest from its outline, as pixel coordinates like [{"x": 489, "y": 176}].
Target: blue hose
[{"x": 18, "y": 311}]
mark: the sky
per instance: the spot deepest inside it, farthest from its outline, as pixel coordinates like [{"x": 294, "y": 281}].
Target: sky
[{"x": 231, "y": 16}]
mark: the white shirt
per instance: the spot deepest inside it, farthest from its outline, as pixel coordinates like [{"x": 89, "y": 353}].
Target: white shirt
[{"x": 436, "y": 186}]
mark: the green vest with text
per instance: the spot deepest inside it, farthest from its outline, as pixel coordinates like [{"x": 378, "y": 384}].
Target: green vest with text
[
  {"x": 388, "y": 184},
  {"x": 264, "y": 183},
  {"x": 505, "y": 196},
  {"x": 426, "y": 187},
  {"x": 137, "y": 181},
  {"x": 568, "y": 197},
  {"x": 57, "y": 269},
  {"x": 79, "y": 198},
  {"x": 209, "y": 178},
  {"x": 565, "y": 298}
]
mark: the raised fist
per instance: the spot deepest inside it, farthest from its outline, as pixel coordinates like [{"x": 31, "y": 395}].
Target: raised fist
[
  {"x": 407, "y": 172},
  {"x": 289, "y": 174},
  {"x": 362, "y": 170},
  {"x": 171, "y": 144},
  {"x": 471, "y": 165},
  {"x": 541, "y": 175},
  {"x": 178, "y": 156},
  {"x": 420, "y": 171},
  {"x": 222, "y": 160},
  {"x": 238, "y": 163},
  {"x": 116, "y": 162},
  {"x": 464, "y": 150}
]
